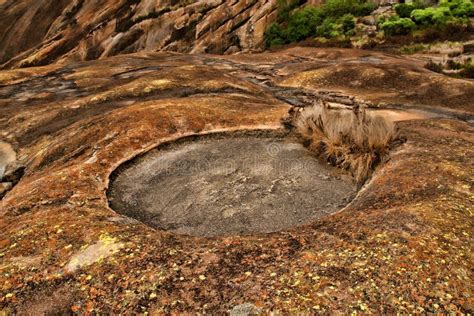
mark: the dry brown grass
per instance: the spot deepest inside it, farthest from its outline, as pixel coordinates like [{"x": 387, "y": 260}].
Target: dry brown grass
[{"x": 356, "y": 141}]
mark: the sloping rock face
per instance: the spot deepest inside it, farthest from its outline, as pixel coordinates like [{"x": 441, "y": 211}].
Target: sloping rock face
[
  {"x": 404, "y": 244},
  {"x": 40, "y": 32}
]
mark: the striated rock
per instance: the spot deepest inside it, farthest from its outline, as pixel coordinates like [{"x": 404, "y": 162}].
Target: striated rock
[
  {"x": 41, "y": 32},
  {"x": 36, "y": 33},
  {"x": 4, "y": 188}
]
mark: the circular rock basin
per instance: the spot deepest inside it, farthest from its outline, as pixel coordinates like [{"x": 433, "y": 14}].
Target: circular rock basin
[{"x": 228, "y": 185}]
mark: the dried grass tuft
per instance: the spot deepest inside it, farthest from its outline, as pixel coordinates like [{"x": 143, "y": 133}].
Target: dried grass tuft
[{"x": 356, "y": 141}]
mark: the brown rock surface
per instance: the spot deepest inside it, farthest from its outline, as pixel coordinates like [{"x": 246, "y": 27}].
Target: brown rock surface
[
  {"x": 41, "y": 32},
  {"x": 403, "y": 245}
]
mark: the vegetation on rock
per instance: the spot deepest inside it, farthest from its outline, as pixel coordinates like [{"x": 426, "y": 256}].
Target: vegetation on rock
[
  {"x": 404, "y": 10},
  {"x": 336, "y": 18},
  {"x": 355, "y": 141},
  {"x": 448, "y": 16},
  {"x": 402, "y": 246},
  {"x": 397, "y": 26}
]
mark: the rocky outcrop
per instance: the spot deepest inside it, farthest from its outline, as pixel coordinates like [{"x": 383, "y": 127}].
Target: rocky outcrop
[
  {"x": 39, "y": 32},
  {"x": 402, "y": 245}
]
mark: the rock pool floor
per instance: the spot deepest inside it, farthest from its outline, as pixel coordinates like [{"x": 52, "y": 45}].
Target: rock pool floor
[{"x": 229, "y": 185}]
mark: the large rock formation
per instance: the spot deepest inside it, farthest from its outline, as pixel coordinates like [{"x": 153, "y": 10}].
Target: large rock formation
[
  {"x": 39, "y": 32},
  {"x": 404, "y": 243}
]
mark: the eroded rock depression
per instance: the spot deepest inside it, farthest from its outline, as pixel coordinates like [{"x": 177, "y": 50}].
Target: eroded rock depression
[{"x": 228, "y": 184}]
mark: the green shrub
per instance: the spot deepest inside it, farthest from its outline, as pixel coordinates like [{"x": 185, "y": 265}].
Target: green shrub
[
  {"x": 381, "y": 20},
  {"x": 459, "y": 8},
  {"x": 363, "y": 9},
  {"x": 431, "y": 16},
  {"x": 274, "y": 35},
  {"x": 404, "y": 10},
  {"x": 338, "y": 8},
  {"x": 303, "y": 23},
  {"x": 332, "y": 19},
  {"x": 331, "y": 28},
  {"x": 328, "y": 29},
  {"x": 397, "y": 26},
  {"x": 450, "y": 14},
  {"x": 347, "y": 23},
  {"x": 336, "y": 18},
  {"x": 284, "y": 9}
]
